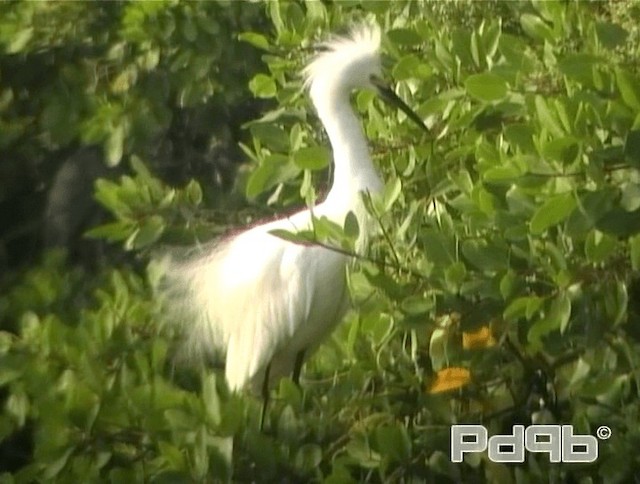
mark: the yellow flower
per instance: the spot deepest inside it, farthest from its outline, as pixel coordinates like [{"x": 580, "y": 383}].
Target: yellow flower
[
  {"x": 450, "y": 379},
  {"x": 481, "y": 338}
]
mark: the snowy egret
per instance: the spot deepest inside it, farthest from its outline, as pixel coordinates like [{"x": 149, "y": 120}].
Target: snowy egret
[{"x": 264, "y": 303}]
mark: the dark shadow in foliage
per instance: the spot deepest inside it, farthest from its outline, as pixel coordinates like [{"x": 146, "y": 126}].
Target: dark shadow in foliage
[{"x": 71, "y": 209}]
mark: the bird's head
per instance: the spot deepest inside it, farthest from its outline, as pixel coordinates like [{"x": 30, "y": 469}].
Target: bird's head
[
  {"x": 351, "y": 62},
  {"x": 346, "y": 63}
]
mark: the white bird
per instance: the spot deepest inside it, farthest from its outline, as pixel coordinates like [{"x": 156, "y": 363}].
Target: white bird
[{"x": 265, "y": 303}]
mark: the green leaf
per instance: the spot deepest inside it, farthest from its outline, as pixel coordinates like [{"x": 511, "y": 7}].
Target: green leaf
[
  {"x": 393, "y": 442},
  {"x": 114, "y": 145},
  {"x": 9, "y": 373},
  {"x": 632, "y": 147},
  {"x": 272, "y": 136},
  {"x": 308, "y": 457},
  {"x": 536, "y": 28},
  {"x": 20, "y": 40},
  {"x": 124, "y": 81},
  {"x": 255, "y": 39},
  {"x": 415, "y": 305},
  {"x": 260, "y": 179},
  {"x": 440, "y": 462},
  {"x": 485, "y": 256},
  {"x": 454, "y": 275},
  {"x": 634, "y": 252},
  {"x": 579, "y": 66},
  {"x": 17, "y": 406},
  {"x": 174, "y": 457},
  {"x": 443, "y": 55},
  {"x": 557, "y": 318},
  {"x": 404, "y": 36},
  {"x": 619, "y": 222},
  {"x": 327, "y": 230},
  {"x": 150, "y": 60},
  {"x": 522, "y": 307},
  {"x": 599, "y": 246},
  {"x": 552, "y": 212},
  {"x": 501, "y": 174},
  {"x": 316, "y": 11},
  {"x": 305, "y": 237},
  {"x": 477, "y": 50},
  {"x": 611, "y": 35},
  {"x": 139, "y": 168},
  {"x": 411, "y": 67},
  {"x": 592, "y": 207},
  {"x": 274, "y": 169},
  {"x": 312, "y": 157},
  {"x": 486, "y": 87},
  {"x": 263, "y": 86},
  {"x": 211, "y": 398},
  {"x": 55, "y": 466},
  {"x": 563, "y": 149},
  {"x": 491, "y": 38},
  {"x": 392, "y": 191},
  {"x": 629, "y": 88},
  {"x": 439, "y": 249},
  {"x": 351, "y": 227},
  {"x": 616, "y": 299},
  {"x": 360, "y": 450},
  {"x": 150, "y": 230},
  {"x": 521, "y": 136},
  {"x": 194, "y": 192},
  {"x": 508, "y": 284},
  {"x": 546, "y": 118},
  {"x": 113, "y": 232}
]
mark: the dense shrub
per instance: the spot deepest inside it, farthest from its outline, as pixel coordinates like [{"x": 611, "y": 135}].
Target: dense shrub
[{"x": 502, "y": 289}]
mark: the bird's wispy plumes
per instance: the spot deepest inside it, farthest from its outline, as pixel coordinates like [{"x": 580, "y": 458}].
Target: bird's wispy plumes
[
  {"x": 266, "y": 303},
  {"x": 362, "y": 42}
]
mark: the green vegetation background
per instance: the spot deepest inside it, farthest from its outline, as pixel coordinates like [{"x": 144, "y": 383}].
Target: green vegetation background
[{"x": 502, "y": 290}]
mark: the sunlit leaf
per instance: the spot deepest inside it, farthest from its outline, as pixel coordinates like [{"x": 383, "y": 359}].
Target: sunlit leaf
[
  {"x": 535, "y": 27},
  {"x": 255, "y": 39},
  {"x": 114, "y": 145},
  {"x": 263, "y": 86},
  {"x": 20, "y": 40},
  {"x": 312, "y": 157},
  {"x": 629, "y": 88},
  {"x": 486, "y": 87},
  {"x": 547, "y": 119},
  {"x": 552, "y": 212}
]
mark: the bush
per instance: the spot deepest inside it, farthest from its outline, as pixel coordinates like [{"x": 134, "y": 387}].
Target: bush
[{"x": 502, "y": 290}]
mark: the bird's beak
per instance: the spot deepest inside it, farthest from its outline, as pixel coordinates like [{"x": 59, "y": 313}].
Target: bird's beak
[{"x": 392, "y": 98}]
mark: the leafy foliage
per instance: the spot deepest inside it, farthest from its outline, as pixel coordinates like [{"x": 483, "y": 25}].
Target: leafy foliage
[
  {"x": 158, "y": 80},
  {"x": 501, "y": 288}
]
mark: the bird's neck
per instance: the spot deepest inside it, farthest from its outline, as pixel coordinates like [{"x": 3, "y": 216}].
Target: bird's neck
[{"x": 353, "y": 169}]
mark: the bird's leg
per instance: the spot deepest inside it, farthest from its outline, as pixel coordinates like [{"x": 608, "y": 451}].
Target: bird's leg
[
  {"x": 265, "y": 396},
  {"x": 297, "y": 367}
]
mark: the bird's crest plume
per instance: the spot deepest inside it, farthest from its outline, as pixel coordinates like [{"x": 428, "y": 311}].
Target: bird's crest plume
[{"x": 363, "y": 41}]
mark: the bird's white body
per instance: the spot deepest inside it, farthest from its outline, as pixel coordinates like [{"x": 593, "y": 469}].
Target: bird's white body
[{"x": 260, "y": 300}]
